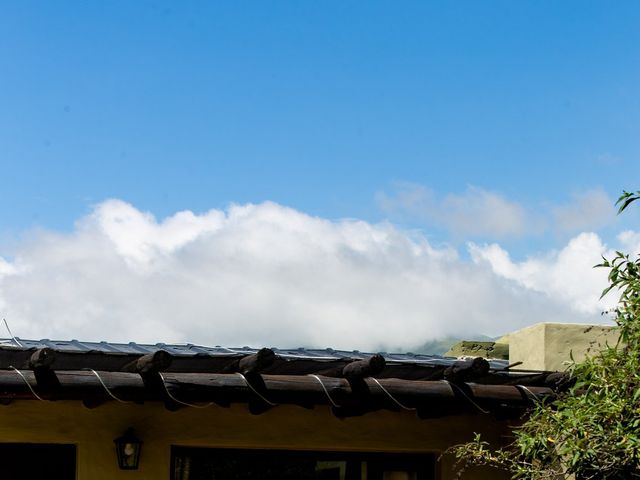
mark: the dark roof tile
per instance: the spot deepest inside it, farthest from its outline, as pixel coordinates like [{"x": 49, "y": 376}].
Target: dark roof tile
[{"x": 191, "y": 350}]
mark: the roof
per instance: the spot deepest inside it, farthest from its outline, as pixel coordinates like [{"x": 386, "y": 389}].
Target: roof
[
  {"x": 189, "y": 350},
  {"x": 352, "y": 382}
]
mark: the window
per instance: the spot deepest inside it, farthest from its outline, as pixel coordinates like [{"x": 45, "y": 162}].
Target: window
[
  {"x": 35, "y": 461},
  {"x": 228, "y": 464}
]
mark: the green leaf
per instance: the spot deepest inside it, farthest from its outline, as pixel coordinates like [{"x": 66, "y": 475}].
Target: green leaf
[{"x": 626, "y": 199}]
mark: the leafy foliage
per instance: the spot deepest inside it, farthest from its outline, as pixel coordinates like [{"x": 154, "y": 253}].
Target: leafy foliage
[
  {"x": 626, "y": 199},
  {"x": 593, "y": 430}
]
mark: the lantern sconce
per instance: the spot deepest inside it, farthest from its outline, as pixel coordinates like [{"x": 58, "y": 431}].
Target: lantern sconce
[{"x": 128, "y": 448}]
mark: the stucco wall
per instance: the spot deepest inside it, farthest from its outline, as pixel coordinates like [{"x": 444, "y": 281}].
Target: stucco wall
[
  {"x": 548, "y": 346},
  {"x": 527, "y": 346},
  {"x": 284, "y": 427}
]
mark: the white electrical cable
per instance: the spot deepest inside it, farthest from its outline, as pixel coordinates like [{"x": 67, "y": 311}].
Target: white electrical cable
[
  {"x": 392, "y": 397},
  {"x": 325, "y": 390},
  {"x": 255, "y": 391},
  {"x": 11, "y": 334},
  {"x": 27, "y": 383},
  {"x": 529, "y": 393},
  {"x": 467, "y": 397},
  {"x": 166, "y": 389},
  {"x": 107, "y": 388}
]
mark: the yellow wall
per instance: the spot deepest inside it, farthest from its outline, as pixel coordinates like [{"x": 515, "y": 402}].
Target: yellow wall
[
  {"x": 548, "y": 346},
  {"x": 284, "y": 427}
]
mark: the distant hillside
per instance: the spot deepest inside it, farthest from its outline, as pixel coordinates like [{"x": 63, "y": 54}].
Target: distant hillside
[{"x": 443, "y": 345}]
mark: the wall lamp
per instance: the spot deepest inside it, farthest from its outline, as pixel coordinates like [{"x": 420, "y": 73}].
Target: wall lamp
[{"x": 128, "y": 448}]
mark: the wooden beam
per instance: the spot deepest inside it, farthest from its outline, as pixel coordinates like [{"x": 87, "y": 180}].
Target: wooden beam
[{"x": 200, "y": 388}]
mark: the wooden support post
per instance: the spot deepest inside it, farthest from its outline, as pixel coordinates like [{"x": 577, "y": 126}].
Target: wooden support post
[
  {"x": 42, "y": 358},
  {"x": 148, "y": 367},
  {"x": 359, "y": 401},
  {"x": 157, "y": 361},
  {"x": 364, "y": 368},
  {"x": 40, "y": 362},
  {"x": 467, "y": 370},
  {"x": 559, "y": 381},
  {"x": 256, "y": 362}
]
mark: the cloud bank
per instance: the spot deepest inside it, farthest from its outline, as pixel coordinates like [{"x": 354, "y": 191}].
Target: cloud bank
[
  {"x": 268, "y": 275},
  {"x": 477, "y": 212}
]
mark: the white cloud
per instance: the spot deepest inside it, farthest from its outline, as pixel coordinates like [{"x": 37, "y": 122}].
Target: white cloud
[
  {"x": 567, "y": 276},
  {"x": 630, "y": 242},
  {"x": 270, "y": 275},
  {"x": 6, "y": 268},
  {"x": 475, "y": 212},
  {"x": 586, "y": 211}
]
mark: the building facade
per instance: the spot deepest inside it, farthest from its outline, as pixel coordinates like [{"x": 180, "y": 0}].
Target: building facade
[{"x": 224, "y": 414}]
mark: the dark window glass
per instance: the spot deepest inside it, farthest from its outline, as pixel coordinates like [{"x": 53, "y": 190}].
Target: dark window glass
[
  {"x": 35, "y": 461},
  {"x": 227, "y": 464}
]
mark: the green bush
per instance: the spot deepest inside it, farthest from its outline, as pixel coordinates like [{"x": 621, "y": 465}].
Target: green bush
[{"x": 591, "y": 431}]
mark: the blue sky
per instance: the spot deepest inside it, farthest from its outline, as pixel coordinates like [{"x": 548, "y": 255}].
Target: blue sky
[{"x": 377, "y": 111}]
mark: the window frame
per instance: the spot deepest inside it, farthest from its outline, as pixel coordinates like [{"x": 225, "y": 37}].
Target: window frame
[
  {"x": 24, "y": 459},
  {"x": 377, "y": 461}
]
